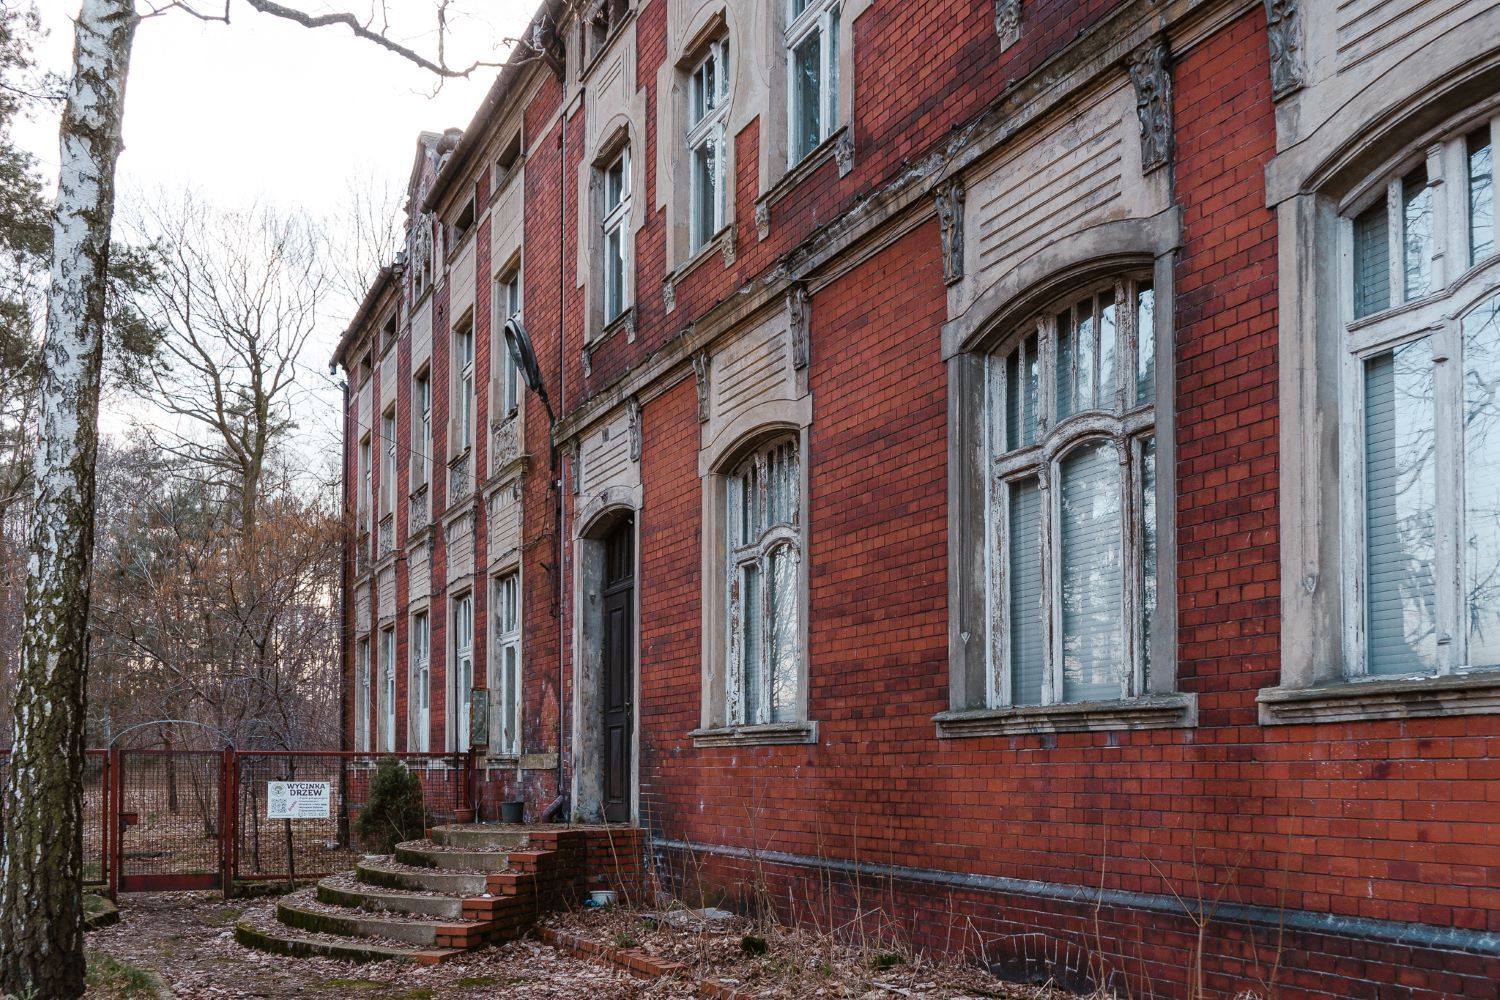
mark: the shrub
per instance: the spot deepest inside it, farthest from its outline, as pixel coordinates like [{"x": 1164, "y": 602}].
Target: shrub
[{"x": 394, "y": 812}]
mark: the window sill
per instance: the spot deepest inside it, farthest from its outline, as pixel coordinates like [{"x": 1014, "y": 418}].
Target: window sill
[
  {"x": 713, "y": 245},
  {"x": 802, "y": 169},
  {"x": 1168, "y": 711},
  {"x": 625, "y": 321},
  {"x": 1473, "y": 693},
  {"x": 769, "y": 735}
]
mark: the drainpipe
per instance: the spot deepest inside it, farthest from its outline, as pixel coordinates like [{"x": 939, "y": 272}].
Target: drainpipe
[
  {"x": 559, "y": 523},
  {"x": 343, "y": 826}
]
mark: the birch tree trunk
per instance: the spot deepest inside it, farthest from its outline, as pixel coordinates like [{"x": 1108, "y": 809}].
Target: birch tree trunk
[{"x": 41, "y": 867}]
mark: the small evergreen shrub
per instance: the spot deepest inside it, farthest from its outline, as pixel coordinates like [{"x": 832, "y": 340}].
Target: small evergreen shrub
[{"x": 394, "y": 812}]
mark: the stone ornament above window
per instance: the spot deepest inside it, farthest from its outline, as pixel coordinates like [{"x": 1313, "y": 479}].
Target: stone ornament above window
[
  {"x": 1008, "y": 22},
  {"x": 1284, "y": 33},
  {"x": 1151, "y": 75}
]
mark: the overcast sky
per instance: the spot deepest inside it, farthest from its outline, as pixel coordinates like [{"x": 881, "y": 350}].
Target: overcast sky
[{"x": 266, "y": 110}]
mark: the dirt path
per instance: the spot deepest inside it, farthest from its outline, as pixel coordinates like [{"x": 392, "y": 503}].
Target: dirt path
[{"x": 186, "y": 942}]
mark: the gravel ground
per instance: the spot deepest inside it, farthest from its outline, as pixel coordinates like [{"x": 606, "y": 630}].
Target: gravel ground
[{"x": 186, "y": 942}]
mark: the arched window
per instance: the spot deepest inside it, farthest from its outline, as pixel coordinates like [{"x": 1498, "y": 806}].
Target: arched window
[
  {"x": 1073, "y": 499},
  {"x": 1420, "y": 334},
  {"x": 763, "y": 580}
]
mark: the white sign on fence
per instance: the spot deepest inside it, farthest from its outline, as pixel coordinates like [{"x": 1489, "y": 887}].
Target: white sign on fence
[{"x": 297, "y": 800}]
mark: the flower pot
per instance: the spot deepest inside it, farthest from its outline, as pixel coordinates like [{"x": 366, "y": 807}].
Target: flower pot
[
  {"x": 462, "y": 815},
  {"x": 512, "y": 812}
]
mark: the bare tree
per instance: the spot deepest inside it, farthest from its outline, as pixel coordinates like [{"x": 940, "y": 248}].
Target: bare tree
[
  {"x": 239, "y": 293},
  {"x": 366, "y": 230}
]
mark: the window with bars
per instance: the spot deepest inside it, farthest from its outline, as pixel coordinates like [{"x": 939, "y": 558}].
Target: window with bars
[
  {"x": 1421, "y": 396},
  {"x": 505, "y": 677},
  {"x": 615, "y": 236},
  {"x": 708, "y": 111},
  {"x": 812, "y": 46},
  {"x": 419, "y": 697},
  {"x": 463, "y": 668},
  {"x": 1073, "y": 500},
  {"x": 764, "y": 589}
]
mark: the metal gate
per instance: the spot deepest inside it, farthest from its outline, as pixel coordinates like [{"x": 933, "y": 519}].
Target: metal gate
[{"x": 171, "y": 818}]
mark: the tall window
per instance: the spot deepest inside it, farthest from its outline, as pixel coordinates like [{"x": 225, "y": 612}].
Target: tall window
[
  {"x": 616, "y": 236},
  {"x": 388, "y": 465},
  {"x": 463, "y": 398},
  {"x": 424, "y": 420},
  {"x": 764, "y": 587},
  {"x": 1423, "y": 397},
  {"x": 420, "y": 697},
  {"x": 388, "y": 690},
  {"x": 708, "y": 109},
  {"x": 362, "y": 694},
  {"x": 1074, "y": 500},
  {"x": 505, "y": 679},
  {"x": 463, "y": 668},
  {"x": 508, "y": 299},
  {"x": 365, "y": 474},
  {"x": 812, "y": 44}
]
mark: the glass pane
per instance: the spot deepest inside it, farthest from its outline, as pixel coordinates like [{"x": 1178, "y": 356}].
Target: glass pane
[
  {"x": 1029, "y": 392},
  {"x": 1372, "y": 255},
  {"x": 1482, "y": 483},
  {"x": 1481, "y": 196},
  {"x": 1145, "y": 339},
  {"x": 1066, "y": 359},
  {"x": 508, "y": 705},
  {"x": 798, "y": 6},
  {"x": 705, "y": 193},
  {"x": 1024, "y": 577},
  {"x": 614, "y": 274},
  {"x": 807, "y": 121},
  {"x": 1399, "y": 503},
  {"x": 1085, "y": 343},
  {"x": 1416, "y": 227},
  {"x": 750, "y": 654},
  {"x": 1093, "y": 649},
  {"x": 1107, "y": 350},
  {"x": 1148, "y": 546},
  {"x": 832, "y": 104},
  {"x": 1013, "y": 399},
  {"x": 614, "y": 184},
  {"x": 784, "y": 642}
]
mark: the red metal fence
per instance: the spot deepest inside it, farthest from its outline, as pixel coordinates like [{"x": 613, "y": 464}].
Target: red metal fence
[{"x": 198, "y": 819}]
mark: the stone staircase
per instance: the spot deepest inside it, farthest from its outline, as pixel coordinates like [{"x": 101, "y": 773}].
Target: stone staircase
[{"x": 464, "y": 887}]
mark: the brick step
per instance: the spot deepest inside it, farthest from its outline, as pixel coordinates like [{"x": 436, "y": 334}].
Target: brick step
[
  {"x": 426, "y": 854},
  {"x": 357, "y": 924},
  {"x": 296, "y": 946},
  {"x": 481, "y": 836},
  {"x": 380, "y": 900},
  {"x": 389, "y": 875}
]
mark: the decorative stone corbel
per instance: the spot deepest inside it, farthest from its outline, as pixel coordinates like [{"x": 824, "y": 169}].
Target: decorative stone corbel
[
  {"x": 798, "y": 305},
  {"x": 843, "y": 153},
  {"x": 700, "y": 374},
  {"x": 588, "y": 361},
  {"x": 630, "y": 327},
  {"x": 575, "y": 467},
  {"x": 668, "y": 294},
  {"x": 633, "y": 415},
  {"x": 950, "y": 210},
  {"x": 763, "y": 219},
  {"x": 1284, "y": 29},
  {"x": 1152, "y": 77},
  {"x": 1008, "y": 22},
  {"x": 730, "y": 245}
]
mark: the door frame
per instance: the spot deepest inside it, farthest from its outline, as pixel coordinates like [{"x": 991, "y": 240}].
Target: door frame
[{"x": 587, "y": 781}]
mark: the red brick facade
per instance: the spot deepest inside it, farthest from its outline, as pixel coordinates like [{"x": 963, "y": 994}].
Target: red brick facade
[{"x": 1343, "y": 858}]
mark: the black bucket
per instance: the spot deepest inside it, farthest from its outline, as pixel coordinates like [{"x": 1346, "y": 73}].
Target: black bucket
[{"x": 512, "y": 812}]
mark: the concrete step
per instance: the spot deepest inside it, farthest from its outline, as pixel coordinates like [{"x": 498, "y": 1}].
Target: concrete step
[
  {"x": 390, "y": 875},
  {"x": 481, "y": 836},
  {"x": 426, "y": 854},
  {"x": 339, "y": 892},
  {"x": 357, "y": 924},
  {"x": 352, "y": 950}
]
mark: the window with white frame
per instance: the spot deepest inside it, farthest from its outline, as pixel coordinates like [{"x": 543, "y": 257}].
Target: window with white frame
[
  {"x": 508, "y": 304},
  {"x": 1421, "y": 397},
  {"x": 419, "y": 697},
  {"x": 615, "y": 235},
  {"x": 463, "y": 668},
  {"x": 424, "y": 421},
  {"x": 505, "y": 678},
  {"x": 388, "y": 690},
  {"x": 362, "y": 694},
  {"x": 463, "y": 387},
  {"x": 708, "y": 112},
  {"x": 763, "y": 579},
  {"x": 812, "y": 46},
  {"x": 366, "y": 474},
  {"x": 1073, "y": 500},
  {"x": 388, "y": 461}
]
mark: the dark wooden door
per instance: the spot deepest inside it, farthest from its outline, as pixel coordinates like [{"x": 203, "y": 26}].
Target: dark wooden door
[{"x": 619, "y": 668}]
